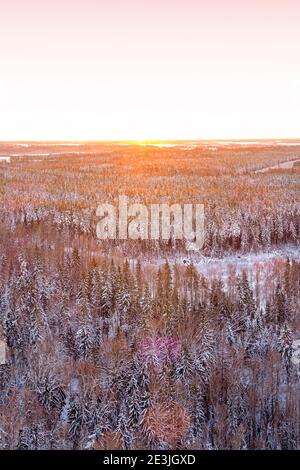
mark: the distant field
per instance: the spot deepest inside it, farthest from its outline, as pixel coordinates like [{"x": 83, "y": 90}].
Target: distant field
[{"x": 251, "y": 191}]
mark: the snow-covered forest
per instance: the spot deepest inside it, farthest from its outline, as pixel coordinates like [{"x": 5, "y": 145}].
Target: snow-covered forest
[{"x": 118, "y": 345}]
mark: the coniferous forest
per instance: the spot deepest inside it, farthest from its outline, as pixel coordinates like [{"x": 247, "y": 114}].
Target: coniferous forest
[{"x": 141, "y": 344}]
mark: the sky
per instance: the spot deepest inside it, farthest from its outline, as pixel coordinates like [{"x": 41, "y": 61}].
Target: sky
[{"x": 149, "y": 69}]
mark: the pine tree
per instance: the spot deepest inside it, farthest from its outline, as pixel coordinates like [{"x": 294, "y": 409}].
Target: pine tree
[
  {"x": 75, "y": 420},
  {"x": 84, "y": 340},
  {"x": 246, "y": 300},
  {"x": 281, "y": 313},
  {"x": 286, "y": 346}
]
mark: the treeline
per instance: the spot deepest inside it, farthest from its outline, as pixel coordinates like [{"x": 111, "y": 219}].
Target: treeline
[
  {"x": 99, "y": 356},
  {"x": 244, "y": 211},
  {"x": 238, "y": 231}
]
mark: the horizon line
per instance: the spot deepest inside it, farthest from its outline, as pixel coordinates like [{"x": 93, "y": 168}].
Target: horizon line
[{"x": 261, "y": 139}]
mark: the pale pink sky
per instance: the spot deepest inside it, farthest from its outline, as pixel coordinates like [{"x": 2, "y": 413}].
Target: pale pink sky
[{"x": 149, "y": 69}]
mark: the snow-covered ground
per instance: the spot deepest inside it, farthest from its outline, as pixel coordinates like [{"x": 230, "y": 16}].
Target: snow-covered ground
[
  {"x": 248, "y": 261},
  {"x": 50, "y": 154},
  {"x": 256, "y": 265},
  {"x": 285, "y": 165},
  {"x": 238, "y": 262}
]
